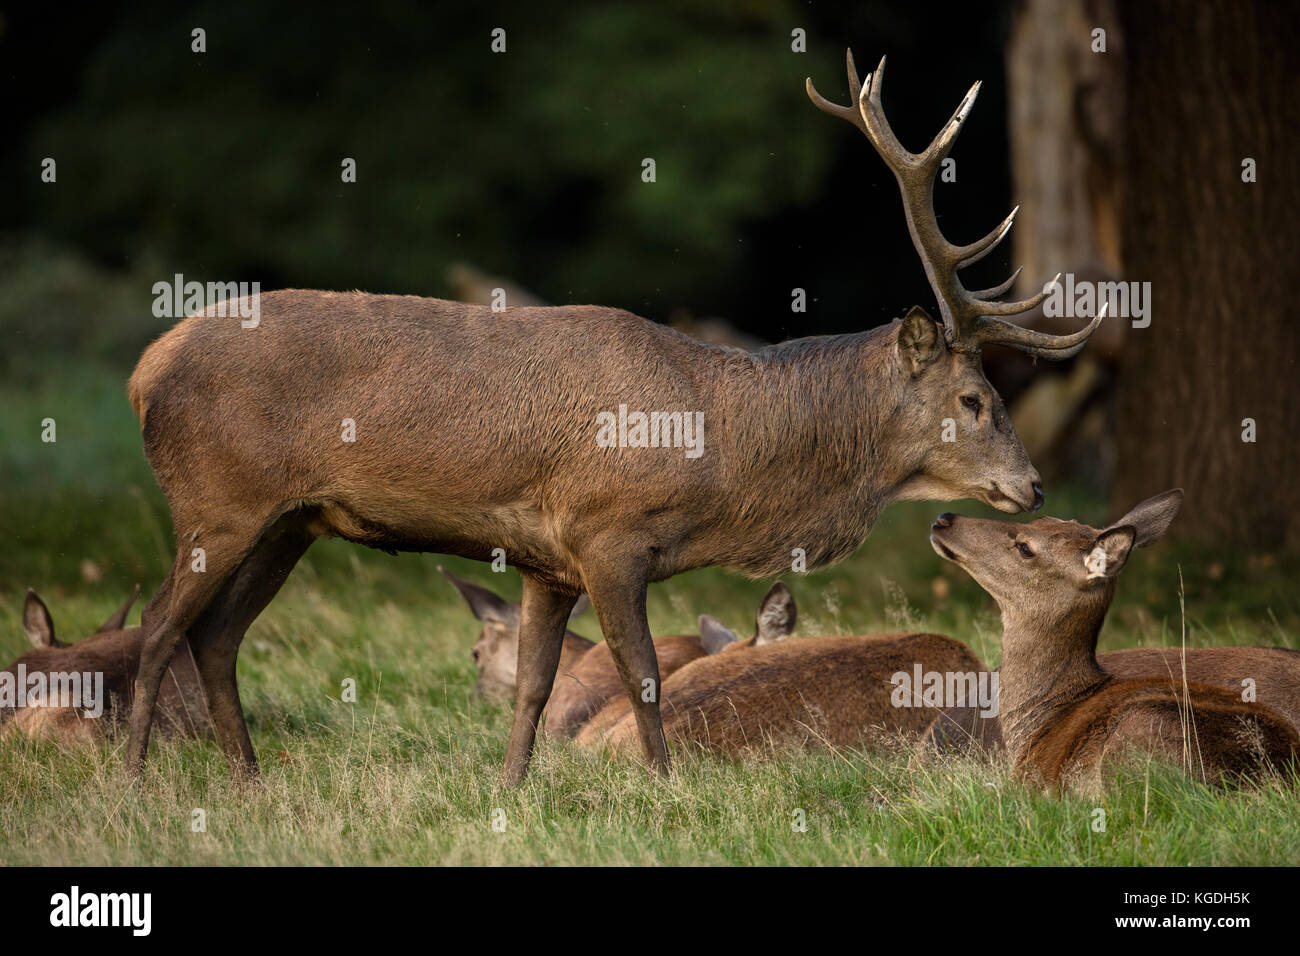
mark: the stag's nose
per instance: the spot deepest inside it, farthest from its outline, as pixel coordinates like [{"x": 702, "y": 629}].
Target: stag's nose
[
  {"x": 943, "y": 521},
  {"x": 1038, "y": 494}
]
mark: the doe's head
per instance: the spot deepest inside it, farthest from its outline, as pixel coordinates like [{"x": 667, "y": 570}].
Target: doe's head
[
  {"x": 1049, "y": 565},
  {"x": 496, "y": 652},
  {"x": 112, "y": 652}
]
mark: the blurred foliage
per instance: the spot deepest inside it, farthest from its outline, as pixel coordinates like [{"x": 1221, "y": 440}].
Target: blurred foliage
[
  {"x": 516, "y": 170},
  {"x": 60, "y": 308},
  {"x": 226, "y": 164}
]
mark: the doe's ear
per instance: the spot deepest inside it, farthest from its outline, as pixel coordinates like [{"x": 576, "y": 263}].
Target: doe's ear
[
  {"x": 37, "y": 622},
  {"x": 1151, "y": 518},
  {"x": 1109, "y": 552},
  {"x": 580, "y": 606},
  {"x": 920, "y": 340},
  {"x": 486, "y": 605},
  {"x": 714, "y": 635},
  {"x": 118, "y": 618},
  {"x": 776, "y": 615}
]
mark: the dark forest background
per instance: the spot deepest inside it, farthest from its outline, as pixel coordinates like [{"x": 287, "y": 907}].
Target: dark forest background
[{"x": 525, "y": 164}]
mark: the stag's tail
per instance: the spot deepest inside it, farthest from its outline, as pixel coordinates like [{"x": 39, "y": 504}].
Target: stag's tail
[{"x": 151, "y": 369}]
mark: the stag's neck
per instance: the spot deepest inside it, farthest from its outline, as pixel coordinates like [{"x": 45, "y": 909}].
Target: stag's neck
[
  {"x": 809, "y": 453},
  {"x": 1049, "y": 663}
]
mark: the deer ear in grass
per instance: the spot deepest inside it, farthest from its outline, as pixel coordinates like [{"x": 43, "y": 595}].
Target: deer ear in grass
[
  {"x": 486, "y": 605},
  {"x": 776, "y": 615},
  {"x": 714, "y": 635},
  {"x": 117, "y": 620},
  {"x": 37, "y": 622},
  {"x": 580, "y": 606}
]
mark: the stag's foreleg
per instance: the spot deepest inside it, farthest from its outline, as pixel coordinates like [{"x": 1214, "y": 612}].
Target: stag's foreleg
[
  {"x": 618, "y": 591},
  {"x": 544, "y": 616}
]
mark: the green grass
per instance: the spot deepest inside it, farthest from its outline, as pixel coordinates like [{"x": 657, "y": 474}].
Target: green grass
[{"x": 407, "y": 774}]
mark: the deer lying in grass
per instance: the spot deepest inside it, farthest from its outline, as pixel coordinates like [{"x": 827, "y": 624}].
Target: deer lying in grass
[
  {"x": 1274, "y": 671},
  {"x": 588, "y": 677},
  {"x": 1062, "y": 716},
  {"x": 594, "y": 681},
  {"x": 818, "y": 691},
  {"x": 413, "y": 424},
  {"x": 496, "y": 652},
  {"x": 102, "y": 667}
]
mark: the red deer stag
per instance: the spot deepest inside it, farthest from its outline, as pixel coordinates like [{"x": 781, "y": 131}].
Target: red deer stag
[{"x": 416, "y": 424}]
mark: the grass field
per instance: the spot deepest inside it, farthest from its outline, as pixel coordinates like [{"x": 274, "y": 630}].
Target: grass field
[{"x": 407, "y": 774}]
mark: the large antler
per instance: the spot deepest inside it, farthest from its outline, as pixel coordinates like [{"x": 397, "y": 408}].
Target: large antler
[{"x": 968, "y": 317}]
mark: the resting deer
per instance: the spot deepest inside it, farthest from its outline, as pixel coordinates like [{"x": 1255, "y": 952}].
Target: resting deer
[
  {"x": 1274, "y": 672},
  {"x": 496, "y": 652},
  {"x": 1062, "y": 716},
  {"x": 587, "y": 676},
  {"x": 813, "y": 692},
  {"x": 413, "y": 424},
  {"x": 594, "y": 681},
  {"x": 106, "y": 661}
]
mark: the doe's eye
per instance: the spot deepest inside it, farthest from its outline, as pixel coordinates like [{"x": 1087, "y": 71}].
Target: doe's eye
[
  {"x": 1024, "y": 549},
  {"x": 971, "y": 401}
]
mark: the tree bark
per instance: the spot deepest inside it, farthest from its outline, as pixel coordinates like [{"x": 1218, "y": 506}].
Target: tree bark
[
  {"x": 1207, "y": 86},
  {"x": 1065, "y": 105}
]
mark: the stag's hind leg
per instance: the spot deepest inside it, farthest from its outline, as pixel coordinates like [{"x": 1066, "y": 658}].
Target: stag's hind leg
[
  {"x": 205, "y": 560},
  {"x": 218, "y": 633}
]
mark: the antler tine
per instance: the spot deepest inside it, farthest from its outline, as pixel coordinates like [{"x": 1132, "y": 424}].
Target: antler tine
[
  {"x": 855, "y": 84},
  {"x": 1039, "y": 344},
  {"x": 977, "y": 250},
  {"x": 915, "y": 175},
  {"x": 848, "y": 113},
  {"x": 937, "y": 151},
  {"x": 1001, "y": 289},
  {"x": 984, "y": 309},
  {"x": 878, "y": 129}
]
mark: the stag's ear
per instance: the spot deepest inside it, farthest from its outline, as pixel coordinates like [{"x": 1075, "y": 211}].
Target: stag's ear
[
  {"x": 776, "y": 615},
  {"x": 1109, "y": 553},
  {"x": 920, "y": 340},
  {"x": 37, "y": 622},
  {"x": 1151, "y": 518},
  {"x": 486, "y": 605},
  {"x": 714, "y": 635},
  {"x": 580, "y": 606},
  {"x": 118, "y": 619}
]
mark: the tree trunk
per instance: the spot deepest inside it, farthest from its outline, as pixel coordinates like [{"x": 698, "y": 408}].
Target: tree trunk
[
  {"x": 1065, "y": 105},
  {"x": 1209, "y": 85},
  {"x": 1064, "y": 114}
]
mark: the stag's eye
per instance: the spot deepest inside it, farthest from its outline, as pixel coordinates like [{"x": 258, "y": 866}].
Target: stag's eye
[
  {"x": 1024, "y": 549},
  {"x": 972, "y": 402}
]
